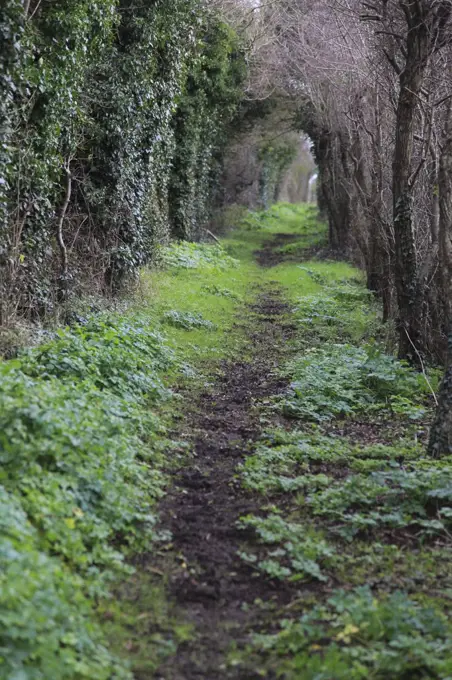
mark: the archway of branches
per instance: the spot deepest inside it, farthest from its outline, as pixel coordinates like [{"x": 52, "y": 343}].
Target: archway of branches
[{"x": 369, "y": 81}]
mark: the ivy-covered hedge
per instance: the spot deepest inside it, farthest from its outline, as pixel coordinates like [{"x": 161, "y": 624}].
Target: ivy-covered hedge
[{"x": 113, "y": 115}]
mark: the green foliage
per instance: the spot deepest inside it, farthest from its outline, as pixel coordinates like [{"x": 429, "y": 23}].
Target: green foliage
[
  {"x": 81, "y": 470},
  {"x": 220, "y": 291},
  {"x": 338, "y": 380},
  {"x": 46, "y": 626},
  {"x": 299, "y": 552},
  {"x": 46, "y": 116},
  {"x": 213, "y": 92},
  {"x": 340, "y": 311},
  {"x": 187, "y": 320},
  {"x": 133, "y": 100},
  {"x": 186, "y": 255},
  {"x": 281, "y": 461},
  {"x": 291, "y": 218},
  {"x": 348, "y": 496},
  {"x": 122, "y": 355},
  {"x": 394, "y": 498},
  {"x": 297, "y": 461},
  {"x": 276, "y": 157},
  {"x": 357, "y": 636}
]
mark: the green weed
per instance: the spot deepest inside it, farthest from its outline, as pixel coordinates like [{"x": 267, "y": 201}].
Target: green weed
[
  {"x": 393, "y": 498},
  {"x": 339, "y": 380},
  {"x": 300, "y": 553},
  {"x": 81, "y": 460},
  {"x": 356, "y": 636},
  {"x": 186, "y": 255},
  {"x": 46, "y": 620},
  {"x": 281, "y": 462},
  {"x": 187, "y": 320},
  {"x": 220, "y": 291}
]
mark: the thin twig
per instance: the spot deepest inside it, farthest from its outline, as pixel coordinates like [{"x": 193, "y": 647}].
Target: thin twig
[
  {"x": 60, "y": 238},
  {"x": 212, "y": 236},
  {"x": 35, "y": 10},
  {"x": 422, "y": 366}
]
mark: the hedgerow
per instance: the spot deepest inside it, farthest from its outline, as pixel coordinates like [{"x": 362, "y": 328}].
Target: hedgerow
[{"x": 113, "y": 119}]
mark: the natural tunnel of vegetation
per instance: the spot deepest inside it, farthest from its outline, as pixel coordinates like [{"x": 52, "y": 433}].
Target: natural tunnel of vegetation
[{"x": 225, "y": 339}]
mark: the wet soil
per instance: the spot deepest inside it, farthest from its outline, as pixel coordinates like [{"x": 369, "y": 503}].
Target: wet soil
[{"x": 212, "y": 587}]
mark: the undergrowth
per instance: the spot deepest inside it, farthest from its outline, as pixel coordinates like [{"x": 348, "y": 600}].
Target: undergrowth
[
  {"x": 354, "y": 516},
  {"x": 352, "y": 508},
  {"x": 81, "y": 458},
  {"x": 83, "y": 449},
  {"x": 357, "y": 636}
]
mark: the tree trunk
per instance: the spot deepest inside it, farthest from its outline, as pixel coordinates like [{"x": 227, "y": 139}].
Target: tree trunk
[
  {"x": 441, "y": 434},
  {"x": 406, "y": 269},
  {"x": 335, "y": 197}
]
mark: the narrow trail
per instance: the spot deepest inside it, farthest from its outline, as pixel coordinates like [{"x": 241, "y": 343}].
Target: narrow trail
[{"x": 212, "y": 587}]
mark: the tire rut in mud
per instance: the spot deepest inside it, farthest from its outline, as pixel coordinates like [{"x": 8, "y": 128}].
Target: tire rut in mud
[{"x": 212, "y": 584}]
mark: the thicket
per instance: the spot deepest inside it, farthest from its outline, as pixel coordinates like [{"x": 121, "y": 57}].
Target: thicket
[{"x": 113, "y": 118}]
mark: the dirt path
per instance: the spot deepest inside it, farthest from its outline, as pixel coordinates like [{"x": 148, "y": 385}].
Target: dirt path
[{"x": 212, "y": 586}]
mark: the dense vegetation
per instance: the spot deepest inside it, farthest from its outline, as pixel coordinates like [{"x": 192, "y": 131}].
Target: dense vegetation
[
  {"x": 128, "y": 128},
  {"x": 351, "y": 513},
  {"x": 354, "y": 516},
  {"x": 82, "y": 454},
  {"x": 113, "y": 121},
  {"x": 369, "y": 83}
]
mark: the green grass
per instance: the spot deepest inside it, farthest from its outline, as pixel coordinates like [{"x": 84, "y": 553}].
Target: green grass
[
  {"x": 213, "y": 293},
  {"x": 288, "y": 218},
  {"x": 258, "y": 227}
]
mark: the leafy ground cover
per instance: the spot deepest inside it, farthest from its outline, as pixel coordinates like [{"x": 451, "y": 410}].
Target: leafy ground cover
[
  {"x": 305, "y": 533},
  {"x": 353, "y": 515},
  {"x": 85, "y": 452}
]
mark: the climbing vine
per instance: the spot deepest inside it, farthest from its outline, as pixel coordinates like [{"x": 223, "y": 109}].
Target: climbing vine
[
  {"x": 214, "y": 90},
  {"x": 112, "y": 121}
]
